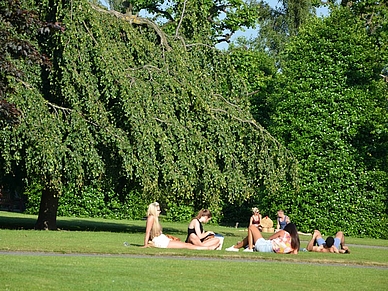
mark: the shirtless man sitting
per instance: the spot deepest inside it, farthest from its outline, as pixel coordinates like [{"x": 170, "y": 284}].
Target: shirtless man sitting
[{"x": 330, "y": 245}]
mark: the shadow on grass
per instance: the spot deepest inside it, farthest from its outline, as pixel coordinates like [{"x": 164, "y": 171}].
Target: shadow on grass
[
  {"x": 109, "y": 226},
  {"x": 86, "y": 225},
  {"x": 73, "y": 224},
  {"x": 16, "y": 222}
]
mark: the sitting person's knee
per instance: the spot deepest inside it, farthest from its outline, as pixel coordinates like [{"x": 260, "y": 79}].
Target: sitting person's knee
[
  {"x": 193, "y": 239},
  {"x": 317, "y": 234},
  {"x": 339, "y": 234},
  {"x": 252, "y": 226}
]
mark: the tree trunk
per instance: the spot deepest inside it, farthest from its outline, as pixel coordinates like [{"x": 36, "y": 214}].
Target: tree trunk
[{"x": 47, "y": 218}]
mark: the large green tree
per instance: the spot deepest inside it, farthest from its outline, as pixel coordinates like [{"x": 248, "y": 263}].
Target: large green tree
[
  {"x": 278, "y": 24},
  {"x": 331, "y": 111},
  {"x": 207, "y": 21},
  {"x": 125, "y": 106}
]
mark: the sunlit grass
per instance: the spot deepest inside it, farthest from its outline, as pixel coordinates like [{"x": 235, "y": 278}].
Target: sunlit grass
[
  {"x": 133, "y": 273},
  {"x": 89, "y": 254}
]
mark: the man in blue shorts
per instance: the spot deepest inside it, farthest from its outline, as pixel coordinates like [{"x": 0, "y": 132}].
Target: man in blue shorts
[{"x": 330, "y": 245}]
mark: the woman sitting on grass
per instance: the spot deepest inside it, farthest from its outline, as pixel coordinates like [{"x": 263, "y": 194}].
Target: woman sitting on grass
[
  {"x": 154, "y": 233},
  {"x": 256, "y": 218},
  {"x": 195, "y": 233},
  {"x": 284, "y": 241},
  {"x": 282, "y": 220}
]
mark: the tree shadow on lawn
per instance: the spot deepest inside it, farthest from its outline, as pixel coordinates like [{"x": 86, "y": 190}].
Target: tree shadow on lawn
[
  {"x": 72, "y": 224},
  {"x": 16, "y": 222},
  {"x": 108, "y": 226}
]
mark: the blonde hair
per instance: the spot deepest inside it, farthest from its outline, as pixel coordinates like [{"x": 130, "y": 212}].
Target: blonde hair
[
  {"x": 156, "y": 229},
  {"x": 255, "y": 209}
]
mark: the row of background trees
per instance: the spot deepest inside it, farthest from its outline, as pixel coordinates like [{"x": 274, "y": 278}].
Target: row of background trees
[{"x": 103, "y": 111}]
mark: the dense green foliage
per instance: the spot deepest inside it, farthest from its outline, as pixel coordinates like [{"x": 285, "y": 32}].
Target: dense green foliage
[
  {"x": 278, "y": 24},
  {"x": 206, "y": 21},
  {"x": 120, "y": 117},
  {"x": 105, "y": 112},
  {"x": 331, "y": 111}
]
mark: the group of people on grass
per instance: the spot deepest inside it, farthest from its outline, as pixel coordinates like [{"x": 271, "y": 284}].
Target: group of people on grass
[
  {"x": 285, "y": 240},
  {"x": 196, "y": 239}
]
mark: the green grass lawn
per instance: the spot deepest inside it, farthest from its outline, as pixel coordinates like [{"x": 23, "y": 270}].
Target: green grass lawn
[{"x": 89, "y": 254}]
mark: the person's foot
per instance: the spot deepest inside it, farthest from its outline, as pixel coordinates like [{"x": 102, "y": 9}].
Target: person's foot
[
  {"x": 248, "y": 250},
  {"x": 231, "y": 249}
]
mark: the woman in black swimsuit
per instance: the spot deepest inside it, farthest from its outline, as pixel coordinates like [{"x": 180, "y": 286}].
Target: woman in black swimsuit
[{"x": 195, "y": 233}]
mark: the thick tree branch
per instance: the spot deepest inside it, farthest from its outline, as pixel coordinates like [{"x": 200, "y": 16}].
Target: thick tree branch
[
  {"x": 134, "y": 19},
  {"x": 181, "y": 19},
  {"x": 157, "y": 10}
]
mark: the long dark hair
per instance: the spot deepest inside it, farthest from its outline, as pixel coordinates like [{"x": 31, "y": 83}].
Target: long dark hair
[{"x": 295, "y": 241}]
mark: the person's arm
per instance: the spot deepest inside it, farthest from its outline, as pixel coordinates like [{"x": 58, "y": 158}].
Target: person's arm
[
  {"x": 344, "y": 250},
  {"x": 150, "y": 222},
  {"x": 277, "y": 234},
  {"x": 198, "y": 231},
  {"x": 288, "y": 220},
  {"x": 334, "y": 249},
  {"x": 277, "y": 224},
  {"x": 250, "y": 220}
]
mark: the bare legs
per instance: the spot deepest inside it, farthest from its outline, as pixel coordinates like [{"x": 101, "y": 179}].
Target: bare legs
[
  {"x": 317, "y": 234},
  {"x": 253, "y": 235},
  {"x": 241, "y": 244},
  {"x": 182, "y": 245},
  {"x": 310, "y": 246},
  {"x": 213, "y": 242},
  {"x": 341, "y": 237}
]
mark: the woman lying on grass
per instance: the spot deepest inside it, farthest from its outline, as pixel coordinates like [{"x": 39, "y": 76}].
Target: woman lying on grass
[
  {"x": 154, "y": 233},
  {"x": 284, "y": 241}
]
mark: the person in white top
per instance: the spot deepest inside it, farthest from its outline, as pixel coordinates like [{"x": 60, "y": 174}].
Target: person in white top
[
  {"x": 285, "y": 241},
  {"x": 154, "y": 233}
]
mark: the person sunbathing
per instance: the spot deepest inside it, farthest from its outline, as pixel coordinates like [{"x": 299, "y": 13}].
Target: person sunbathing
[
  {"x": 155, "y": 235},
  {"x": 285, "y": 241},
  {"x": 330, "y": 245}
]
